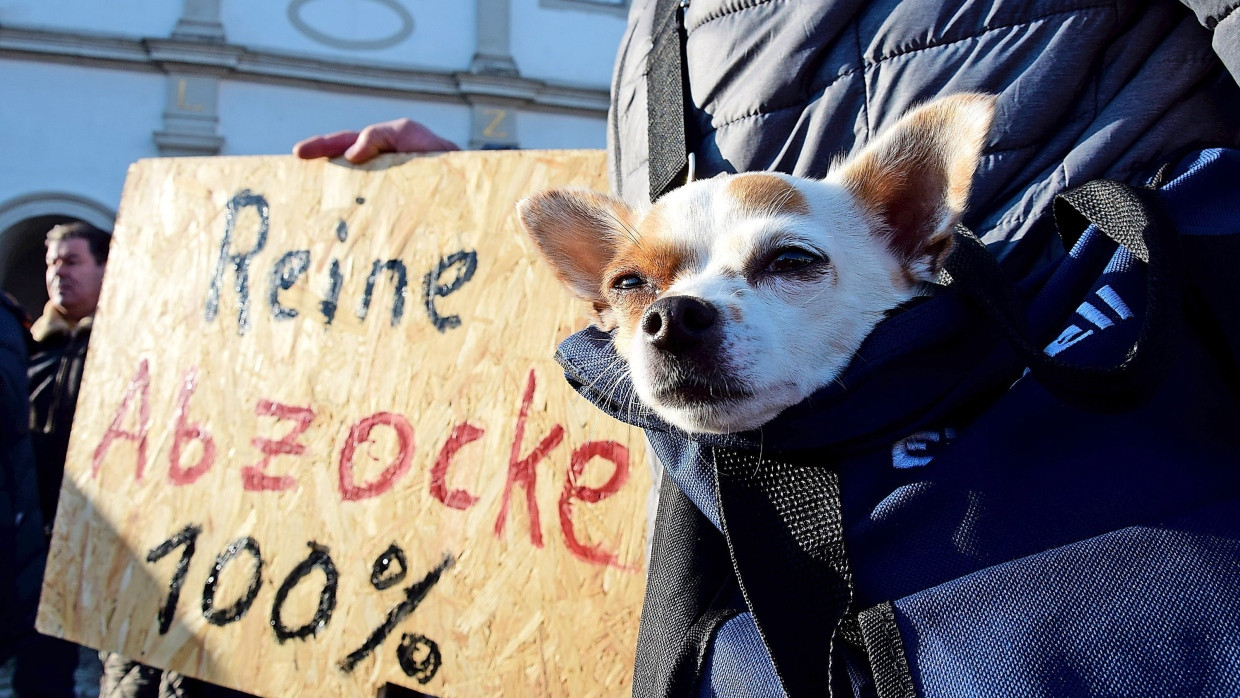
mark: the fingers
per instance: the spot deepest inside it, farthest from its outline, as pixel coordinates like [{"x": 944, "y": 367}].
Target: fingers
[
  {"x": 373, "y": 140},
  {"x": 376, "y": 139},
  {"x": 366, "y": 148},
  {"x": 413, "y": 137},
  {"x": 396, "y": 136},
  {"x": 330, "y": 146}
]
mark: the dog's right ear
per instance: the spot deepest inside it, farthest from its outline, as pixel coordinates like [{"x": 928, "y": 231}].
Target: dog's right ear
[
  {"x": 916, "y": 176},
  {"x": 578, "y": 232}
]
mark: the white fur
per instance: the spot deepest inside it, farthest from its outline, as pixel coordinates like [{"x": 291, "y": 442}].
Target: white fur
[
  {"x": 782, "y": 336},
  {"x": 795, "y": 337}
]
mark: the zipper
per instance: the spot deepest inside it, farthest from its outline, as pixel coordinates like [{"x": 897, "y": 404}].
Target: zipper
[{"x": 61, "y": 388}]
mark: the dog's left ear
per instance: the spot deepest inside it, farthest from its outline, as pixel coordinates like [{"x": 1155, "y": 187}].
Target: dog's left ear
[
  {"x": 578, "y": 232},
  {"x": 916, "y": 176}
]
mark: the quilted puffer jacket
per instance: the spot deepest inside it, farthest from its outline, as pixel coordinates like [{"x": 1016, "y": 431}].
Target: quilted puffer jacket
[{"x": 1087, "y": 88}]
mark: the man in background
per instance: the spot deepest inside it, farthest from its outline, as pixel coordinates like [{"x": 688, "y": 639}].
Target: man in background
[{"x": 77, "y": 255}]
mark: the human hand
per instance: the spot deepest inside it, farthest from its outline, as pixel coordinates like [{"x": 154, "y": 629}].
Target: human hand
[{"x": 396, "y": 136}]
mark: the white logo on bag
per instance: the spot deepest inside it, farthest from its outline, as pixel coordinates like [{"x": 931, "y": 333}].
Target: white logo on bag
[
  {"x": 1074, "y": 334},
  {"x": 918, "y": 450}
]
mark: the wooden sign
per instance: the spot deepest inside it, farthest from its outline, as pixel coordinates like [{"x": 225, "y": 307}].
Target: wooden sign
[{"x": 322, "y": 443}]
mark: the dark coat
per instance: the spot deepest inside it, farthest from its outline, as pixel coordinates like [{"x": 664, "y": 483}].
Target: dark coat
[
  {"x": 55, "y": 375},
  {"x": 23, "y": 551}
]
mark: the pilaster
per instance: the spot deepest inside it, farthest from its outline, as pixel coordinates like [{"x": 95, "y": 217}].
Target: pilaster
[{"x": 191, "y": 109}]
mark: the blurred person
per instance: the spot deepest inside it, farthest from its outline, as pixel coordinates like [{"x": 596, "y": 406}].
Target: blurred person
[
  {"x": 77, "y": 256},
  {"x": 23, "y": 552}
]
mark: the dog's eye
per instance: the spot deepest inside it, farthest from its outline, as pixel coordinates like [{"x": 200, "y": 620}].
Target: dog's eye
[
  {"x": 628, "y": 282},
  {"x": 790, "y": 260}
]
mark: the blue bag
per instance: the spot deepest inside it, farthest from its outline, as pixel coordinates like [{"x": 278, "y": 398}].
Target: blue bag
[{"x": 1014, "y": 490}]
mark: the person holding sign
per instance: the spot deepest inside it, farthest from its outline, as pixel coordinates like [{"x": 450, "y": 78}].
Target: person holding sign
[{"x": 1083, "y": 92}]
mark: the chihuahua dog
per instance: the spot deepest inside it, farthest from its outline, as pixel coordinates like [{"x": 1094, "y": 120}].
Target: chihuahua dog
[{"x": 736, "y": 297}]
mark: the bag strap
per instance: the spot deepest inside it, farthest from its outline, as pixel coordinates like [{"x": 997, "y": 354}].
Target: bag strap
[
  {"x": 783, "y": 521},
  {"x": 875, "y": 633},
  {"x": 667, "y": 109},
  {"x": 1199, "y": 188},
  {"x": 689, "y": 578},
  {"x": 1133, "y": 218}
]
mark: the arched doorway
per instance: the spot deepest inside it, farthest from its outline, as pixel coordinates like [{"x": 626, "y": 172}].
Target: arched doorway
[{"x": 24, "y": 223}]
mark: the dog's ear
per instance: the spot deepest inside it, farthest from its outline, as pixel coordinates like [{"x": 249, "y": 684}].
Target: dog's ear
[
  {"x": 916, "y": 176},
  {"x": 578, "y": 232}
]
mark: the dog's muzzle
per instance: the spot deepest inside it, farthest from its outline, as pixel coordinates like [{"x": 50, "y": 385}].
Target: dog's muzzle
[
  {"x": 686, "y": 362},
  {"x": 681, "y": 325}
]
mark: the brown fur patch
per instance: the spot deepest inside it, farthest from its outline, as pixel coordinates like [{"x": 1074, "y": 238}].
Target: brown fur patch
[
  {"x": 652, "y": 257},
  {"x": 903, "y": 278},
  {"x": 920, "y": 172},
  {"x": 767, "y": 193},
  {"x": 578, "y": 232}
]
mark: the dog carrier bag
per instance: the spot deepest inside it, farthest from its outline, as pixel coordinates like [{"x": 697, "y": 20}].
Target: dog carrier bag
[{"x": 1023, "y": 489}]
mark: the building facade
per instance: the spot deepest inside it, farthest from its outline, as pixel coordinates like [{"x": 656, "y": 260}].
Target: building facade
[{"x": 88, "y": 87}]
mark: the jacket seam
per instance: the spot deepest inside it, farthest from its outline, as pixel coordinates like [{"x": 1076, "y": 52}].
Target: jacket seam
[
  {"x": 987, "y": 30},
  {"x": 726, "y": 11},
  {"x": 865, "y": 84},
  {"x": 867, "y": 64},
  {"x": 786, "y": 107}
]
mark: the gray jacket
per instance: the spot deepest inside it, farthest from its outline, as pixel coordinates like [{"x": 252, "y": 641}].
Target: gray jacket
[{"x": 1087, "y": 88}]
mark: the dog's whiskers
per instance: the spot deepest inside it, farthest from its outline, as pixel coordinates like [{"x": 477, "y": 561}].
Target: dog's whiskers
[{"x": 629, "y": 231}]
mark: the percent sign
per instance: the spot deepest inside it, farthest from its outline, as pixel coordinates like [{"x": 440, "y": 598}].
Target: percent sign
[{"x": 419, "y": 656}]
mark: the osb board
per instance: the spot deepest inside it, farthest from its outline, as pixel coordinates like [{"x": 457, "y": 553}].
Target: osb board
[{"x": 244, "y": 455}]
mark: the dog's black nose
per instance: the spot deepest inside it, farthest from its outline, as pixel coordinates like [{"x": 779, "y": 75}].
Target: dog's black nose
[{"x": 676, "y": 323}]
